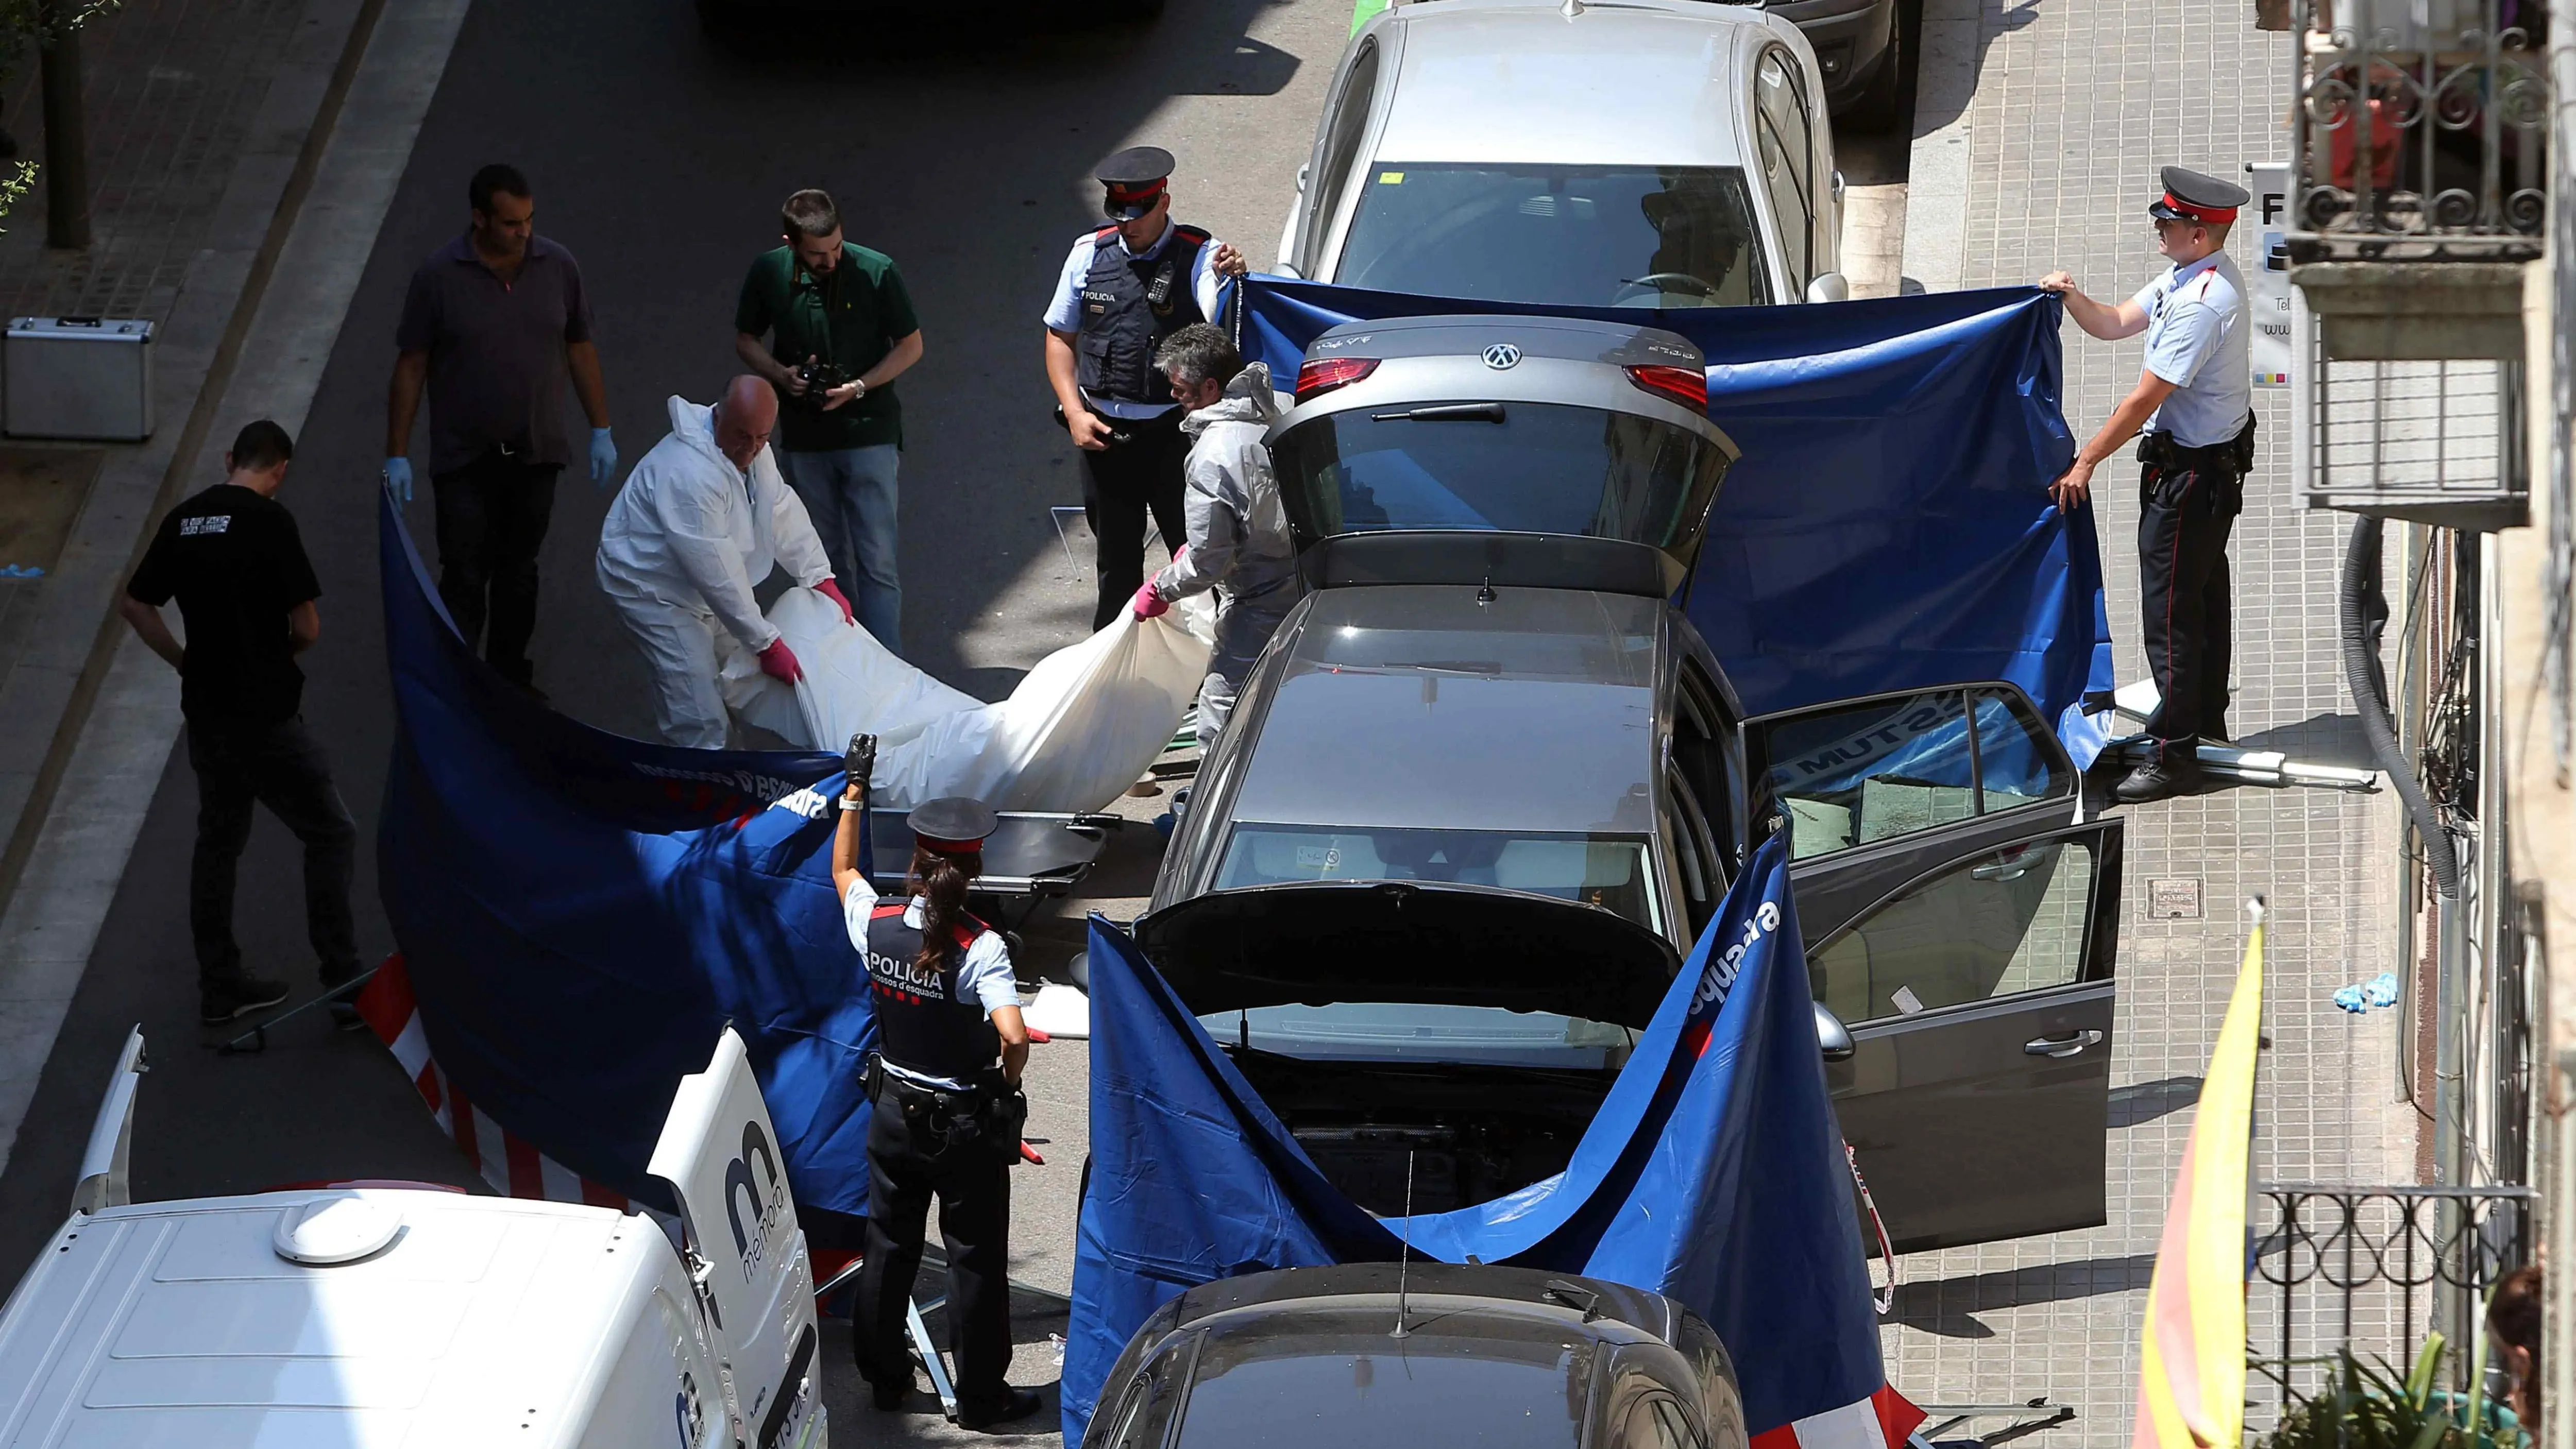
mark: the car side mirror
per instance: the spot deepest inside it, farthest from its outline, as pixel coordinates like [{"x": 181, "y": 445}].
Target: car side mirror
[
  {"x": 1829, "y": 287},
  {"x": 1832, "y": 1037}
]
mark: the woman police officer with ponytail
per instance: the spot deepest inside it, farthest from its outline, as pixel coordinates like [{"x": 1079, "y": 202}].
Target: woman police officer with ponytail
[{"x": 945, "y": 1086}]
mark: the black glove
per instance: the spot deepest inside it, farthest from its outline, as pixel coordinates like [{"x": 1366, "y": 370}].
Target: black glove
[{"x": 860, "y": 761}]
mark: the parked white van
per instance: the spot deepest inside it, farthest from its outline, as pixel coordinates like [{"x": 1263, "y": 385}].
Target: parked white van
[{"x": 414, "y": 1316}]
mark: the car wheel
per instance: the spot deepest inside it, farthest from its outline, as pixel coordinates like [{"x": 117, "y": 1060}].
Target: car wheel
[{"x": 1881, "y": 106}]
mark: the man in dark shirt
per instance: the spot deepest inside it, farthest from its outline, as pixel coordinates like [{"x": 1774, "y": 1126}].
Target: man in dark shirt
[
  {"x": 841, "y": 331},
  {"x": 493, "y": 325},
  {"x": 233, "y": 559}
]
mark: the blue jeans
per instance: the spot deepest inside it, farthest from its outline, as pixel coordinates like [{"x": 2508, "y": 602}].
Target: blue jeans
[{"x": 850, "y": 495}]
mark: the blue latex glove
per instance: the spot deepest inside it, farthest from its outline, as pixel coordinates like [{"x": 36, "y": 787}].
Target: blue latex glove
[
  {"x": 2381, "y": 990},
  {"x": 398, "y": 478},
  {"x": 603, "y": 457},
  {"x": 2349, "y": 998}
]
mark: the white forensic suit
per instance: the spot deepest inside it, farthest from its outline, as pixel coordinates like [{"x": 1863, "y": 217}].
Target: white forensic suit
[
  {"x": 1239, "y": 543},
  {"x": 688, "y": 537}
]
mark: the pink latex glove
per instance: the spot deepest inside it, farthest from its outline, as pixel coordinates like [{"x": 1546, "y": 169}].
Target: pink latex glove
[
  {"x": 779, "y": 663},
  {"x": 832, "y": 591},
  {"x": 1149, "y": 604}
]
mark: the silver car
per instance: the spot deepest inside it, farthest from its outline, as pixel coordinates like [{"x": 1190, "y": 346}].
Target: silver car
[
  {"x": 1656, "y": 153},
  {"x": 1487, "y": 785}
]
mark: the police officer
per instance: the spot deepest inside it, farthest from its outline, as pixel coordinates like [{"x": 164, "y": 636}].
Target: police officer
[
  {"x": 2195, "y": 401},
  {"x": 945, "y": 1089},
  {"x": 1126, "y": 287}
]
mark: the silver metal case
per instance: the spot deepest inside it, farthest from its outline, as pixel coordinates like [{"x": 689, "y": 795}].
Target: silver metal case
[{"x": 87, "y": 378}]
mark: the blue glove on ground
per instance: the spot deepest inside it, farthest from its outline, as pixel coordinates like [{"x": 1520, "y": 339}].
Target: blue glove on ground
[
  {"x": 398, "y": 478},
  {"x": 603, "y": 457}
]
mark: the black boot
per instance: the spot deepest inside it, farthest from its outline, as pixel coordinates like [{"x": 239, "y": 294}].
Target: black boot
[
  {"x": 221, "y": 998},
  {"x": 2174, "y": 771},
  {"x": 1015, "y": 1404}
]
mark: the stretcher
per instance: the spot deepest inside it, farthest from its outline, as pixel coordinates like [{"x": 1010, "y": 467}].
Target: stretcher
[{"x": 1035, "y": 857}]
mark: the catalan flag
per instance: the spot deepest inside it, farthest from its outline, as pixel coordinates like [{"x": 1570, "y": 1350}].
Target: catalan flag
[{"x": 2191, "y": 1384}]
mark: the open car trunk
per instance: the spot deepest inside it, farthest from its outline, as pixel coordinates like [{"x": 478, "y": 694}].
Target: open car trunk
[{"x": 1461, "y": 1037}]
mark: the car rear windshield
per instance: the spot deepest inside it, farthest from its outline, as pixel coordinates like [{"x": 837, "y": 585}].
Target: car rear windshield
[
  {"x": 1521, "y": 467},
  {"x": 1674, "y": 236},
  {"x": 1608, "y": 871},
  {"x": 1356, "y": 1388}
]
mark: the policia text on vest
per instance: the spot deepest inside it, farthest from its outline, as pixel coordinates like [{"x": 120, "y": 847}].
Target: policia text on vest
[
  {"x": 1123, "y": 289},
  {"x": 944, "y": 1094}
]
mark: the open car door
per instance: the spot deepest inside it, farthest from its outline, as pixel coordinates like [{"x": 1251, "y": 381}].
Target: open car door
[
  {"x": 1962, "y": 927},
  {"x": 720, "y": 1157}
]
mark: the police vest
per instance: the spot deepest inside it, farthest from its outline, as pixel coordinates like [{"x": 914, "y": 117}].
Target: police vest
[
  {"x": 922, "y": 1025},
  {"x": 1129, "y": 305}
]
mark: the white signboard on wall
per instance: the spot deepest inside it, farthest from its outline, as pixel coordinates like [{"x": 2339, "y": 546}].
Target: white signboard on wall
[{"x": 2269, "y": 276}]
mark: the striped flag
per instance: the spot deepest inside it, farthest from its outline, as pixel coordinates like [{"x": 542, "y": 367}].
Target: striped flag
[
  {"x": 510, "y": 1163},
  {"x": 2191, "y": 1384}
]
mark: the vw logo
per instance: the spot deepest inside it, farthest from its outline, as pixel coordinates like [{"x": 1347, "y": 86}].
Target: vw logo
[{"x": 1502, "y": 355}]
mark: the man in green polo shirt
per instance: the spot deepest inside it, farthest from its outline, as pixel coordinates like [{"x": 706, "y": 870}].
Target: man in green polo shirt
[{"x": 840, "y": 330}]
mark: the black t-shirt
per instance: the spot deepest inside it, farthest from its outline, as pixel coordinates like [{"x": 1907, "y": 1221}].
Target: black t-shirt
[{"x": 236, "y": 564}]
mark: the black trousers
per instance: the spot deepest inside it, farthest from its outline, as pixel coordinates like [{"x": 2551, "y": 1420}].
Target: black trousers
[
  {"x": 907, "y": 1163},
  {"x": 492, "y": 517},
  {"x": 1120, "y": 484},
  {"x": 282, "y": 767},
  {"x": 2187, "y": 510}
]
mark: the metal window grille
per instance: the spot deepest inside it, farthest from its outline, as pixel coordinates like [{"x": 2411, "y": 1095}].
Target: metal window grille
[
  {"x": 2420, "y": 122},
  {"x": 2371, "y": 1271},
  {"x": 2434, "y": 441}
]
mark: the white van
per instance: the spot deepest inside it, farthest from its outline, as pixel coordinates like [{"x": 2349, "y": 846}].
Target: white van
[{"x": 411, "y": 1316}]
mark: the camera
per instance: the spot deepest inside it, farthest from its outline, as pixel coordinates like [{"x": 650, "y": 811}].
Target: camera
[{"x": 819, "y": 378}]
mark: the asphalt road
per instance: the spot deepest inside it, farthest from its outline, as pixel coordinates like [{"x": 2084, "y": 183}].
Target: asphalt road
[{"x": 958, "y": 141}]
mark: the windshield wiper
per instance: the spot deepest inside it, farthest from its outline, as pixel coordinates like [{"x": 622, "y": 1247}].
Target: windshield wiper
[{"x": 1485, "y": 412}]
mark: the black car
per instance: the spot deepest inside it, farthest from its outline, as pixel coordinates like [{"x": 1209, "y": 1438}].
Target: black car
[
  {"x": 1487, "y": 786},
  {"x": 1377, "y": 1356}
]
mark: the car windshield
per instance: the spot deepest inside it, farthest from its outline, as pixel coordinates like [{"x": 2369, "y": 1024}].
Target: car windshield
[
  {"x": 1608, "y": 871},
  {"x": 1338, "y": 1379},
  {"x": 1522, "y": 467},
  {"x": 1674, "y": 236}
]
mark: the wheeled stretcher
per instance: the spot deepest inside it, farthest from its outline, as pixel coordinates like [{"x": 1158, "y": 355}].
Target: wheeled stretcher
[{"x": 1036, "y": 856}]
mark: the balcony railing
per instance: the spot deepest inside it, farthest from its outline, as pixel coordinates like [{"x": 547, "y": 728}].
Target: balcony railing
[
  {"x": 2372, "y": 1270},
  {"x": 2419, "y": 130}
]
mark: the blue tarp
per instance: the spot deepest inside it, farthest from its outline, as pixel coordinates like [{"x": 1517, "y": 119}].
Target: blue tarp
[
  {"x": 1889, "y": 525},
  {"x": 582, "y": 914},
  {"x": 1714, "y": 1172}
]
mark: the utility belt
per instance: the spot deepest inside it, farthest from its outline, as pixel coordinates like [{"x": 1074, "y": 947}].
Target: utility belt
[
  {"x": 1123, "y": 431},
  {"x": 2234, "y": 457},
  {"x": 991, "y": 1110}
]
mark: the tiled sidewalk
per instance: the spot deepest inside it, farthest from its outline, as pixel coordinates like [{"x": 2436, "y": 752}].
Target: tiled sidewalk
[
  {"x": 2053, "y": 155},
  {"x": 197, "y": 112},
  {"x": 174, "y": 88}
]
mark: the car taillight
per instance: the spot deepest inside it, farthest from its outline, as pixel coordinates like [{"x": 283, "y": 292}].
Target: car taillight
[
  {"x": 1685, "y": 385},
  {"x": 1323, "y": 374}
]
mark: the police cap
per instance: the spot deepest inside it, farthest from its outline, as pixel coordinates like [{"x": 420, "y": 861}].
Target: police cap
[
  {"x": 952, "y": 824},
  {"x": 2190, "y": 196},
  {"x": 1134, "y": 180}
]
